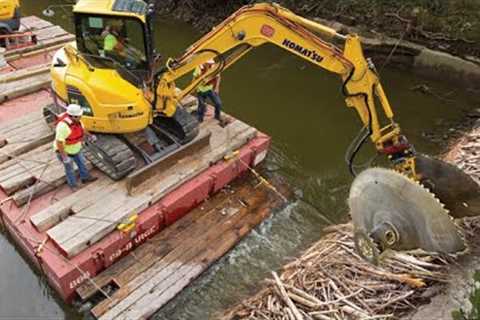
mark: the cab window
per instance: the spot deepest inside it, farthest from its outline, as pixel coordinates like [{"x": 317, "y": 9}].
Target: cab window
[{"x": 108, "y": 41}]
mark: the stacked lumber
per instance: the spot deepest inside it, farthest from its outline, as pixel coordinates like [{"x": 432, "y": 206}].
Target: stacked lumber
[
  {"x": 48, "y": 36},
  {"x": 24, "y": 81},
  {"x": 158, "y": 270},
  {"x": 330, "y": 281}
]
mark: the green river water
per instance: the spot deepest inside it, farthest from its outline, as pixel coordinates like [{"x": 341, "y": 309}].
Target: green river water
[{"x": 302, "y": 109}]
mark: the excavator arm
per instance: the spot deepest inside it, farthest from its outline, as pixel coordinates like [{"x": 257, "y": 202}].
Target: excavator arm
[
  {"x": 388, "y": 210},
  {"x": 255, "y": 25}
]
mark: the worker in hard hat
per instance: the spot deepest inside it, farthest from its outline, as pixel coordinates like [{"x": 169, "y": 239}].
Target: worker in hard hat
[
  {"x": 111, "y": 40},
  {"x": 69, "y": 135},
  {"x": 208, "y": 90}
]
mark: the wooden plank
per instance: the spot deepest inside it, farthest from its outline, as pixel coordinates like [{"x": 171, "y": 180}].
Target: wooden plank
[
  {"x": 45, "y": 45},
  {"x": 170, "y": 179},
  {"x": 8, "y": 126},
  {"x": 97, "y": 230},
  {"x": 136, "y": 178},
  {"x": 33, "y": 157},
  {"x": 239, "y": 134},
  {"x": 164, "y": 278},
  {"x": 44, "y": 172},
  {"x": 38, "y": 181},
  {"x": 88, "y": 226},
  {"x": 154, "y": 299},
  {"x": 193, "y": 225},
  {"x": 24, "y": 73},
  {"x": 35, "y": 23},
  {"x": 73, "y": 236},
  {"x": 183, "y": 253},
  {"x": 26, "y": 163},
  {"x": 26, "y": 133},
  {"x": 74, "y": 203},
  {"x": 12, "y": 150},
  {"x": 22, "y": 87},
  {"x": 50, "y": 33},
  {"x": 73, "y": 226}
]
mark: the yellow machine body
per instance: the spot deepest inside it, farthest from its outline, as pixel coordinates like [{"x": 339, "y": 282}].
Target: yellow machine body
[
  {"x": 7, "y": 9},
  {"x": 104, "y": 7},
  {"x": 116, "y": 105},
  {"x": 9, "y": 16}
]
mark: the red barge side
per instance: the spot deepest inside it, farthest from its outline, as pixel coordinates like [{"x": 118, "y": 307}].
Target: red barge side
[{"x": 67, "y": 270}]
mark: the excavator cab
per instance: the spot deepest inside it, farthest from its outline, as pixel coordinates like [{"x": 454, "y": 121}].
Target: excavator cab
[
  {"x": 108, "y": 71},
  {"x": 120, "y": 40},
  {"x": 115, "y": 43}
]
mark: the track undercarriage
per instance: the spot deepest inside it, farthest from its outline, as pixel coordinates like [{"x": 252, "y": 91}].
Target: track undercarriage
[{"x": 119, "y": 155}]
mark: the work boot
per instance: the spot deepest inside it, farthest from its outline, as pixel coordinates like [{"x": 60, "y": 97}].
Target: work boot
[
  {"x": 222, "y": 121},
  {"x": 89, "y": 179}
]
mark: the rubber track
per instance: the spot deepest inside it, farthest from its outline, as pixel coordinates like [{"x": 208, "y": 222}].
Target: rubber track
[
  {"x": 111, "y": 155},
  {"x": 182, "y": 125}
]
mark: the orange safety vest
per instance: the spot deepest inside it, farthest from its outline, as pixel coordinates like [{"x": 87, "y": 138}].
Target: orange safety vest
[{"x": 77, "y": 131}]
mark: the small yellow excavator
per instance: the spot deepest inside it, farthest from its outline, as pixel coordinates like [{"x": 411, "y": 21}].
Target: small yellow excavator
[
  {"x": 9, "y": 16},
  {"x": 115, "y": 74}
]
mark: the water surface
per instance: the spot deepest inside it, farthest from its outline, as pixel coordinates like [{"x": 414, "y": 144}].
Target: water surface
[{"x": 302, "y": 109}]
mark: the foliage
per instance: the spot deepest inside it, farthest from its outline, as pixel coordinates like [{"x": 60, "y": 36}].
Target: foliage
[
  {"x": 474, "y": 314},
  {"x": 449, "y": 25}
]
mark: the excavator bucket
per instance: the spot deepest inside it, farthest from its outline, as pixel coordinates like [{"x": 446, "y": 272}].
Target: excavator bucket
[
  {"x": 456, "y": 190},
  {"x": 392, "y": 211}
]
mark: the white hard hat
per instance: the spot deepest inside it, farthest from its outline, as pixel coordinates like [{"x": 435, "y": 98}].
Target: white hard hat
[{"x": 74, "y": 110}]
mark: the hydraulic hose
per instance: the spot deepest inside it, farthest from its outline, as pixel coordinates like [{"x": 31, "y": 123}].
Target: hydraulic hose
[{"x": 363, "y": 134}]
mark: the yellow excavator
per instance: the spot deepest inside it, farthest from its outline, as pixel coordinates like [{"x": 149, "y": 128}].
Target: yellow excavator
[
  {"x": 125, "y": 91},
  {"x": 9, "y": 16}
]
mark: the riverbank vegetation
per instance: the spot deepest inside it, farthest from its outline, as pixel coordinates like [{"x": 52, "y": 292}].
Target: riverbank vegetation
[{"x": 447, "y": 25}]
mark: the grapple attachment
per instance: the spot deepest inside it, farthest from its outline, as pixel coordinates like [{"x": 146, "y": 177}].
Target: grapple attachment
[
  {"x": 391, "y": 211},
  {"x": 456, "y": 190}
]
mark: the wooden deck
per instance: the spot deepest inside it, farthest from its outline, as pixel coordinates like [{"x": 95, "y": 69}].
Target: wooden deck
[
  {"x": 28, "y": 168},
  {"x": 27, "y": 68},
  {"x": 49, "y": 37},
  {"x": 161, "y": 268}
]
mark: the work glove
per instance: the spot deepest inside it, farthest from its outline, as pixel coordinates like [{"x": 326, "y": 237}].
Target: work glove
[{"x": 66, "y": 159}]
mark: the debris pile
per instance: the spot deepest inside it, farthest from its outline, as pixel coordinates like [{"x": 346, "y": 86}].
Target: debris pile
[
  {"x": 330, "y": 281},
  {"x": 466, "y": 154}
]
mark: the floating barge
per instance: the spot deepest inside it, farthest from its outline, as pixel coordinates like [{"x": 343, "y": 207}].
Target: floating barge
[{"x": 124, "y": 251}]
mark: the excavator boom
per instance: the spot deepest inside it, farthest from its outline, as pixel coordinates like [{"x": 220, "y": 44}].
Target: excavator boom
[
  {"x": 255, "y": 25},
  {"x": 130, "y": 95}
]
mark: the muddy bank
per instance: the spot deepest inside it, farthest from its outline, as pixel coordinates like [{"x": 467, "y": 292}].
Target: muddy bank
[{"x": 430, "y": 38}]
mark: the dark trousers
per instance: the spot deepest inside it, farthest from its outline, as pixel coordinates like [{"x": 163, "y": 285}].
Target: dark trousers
[
  {"x": 202, "y": 103},
  {"x": 81, "y": 163}
]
